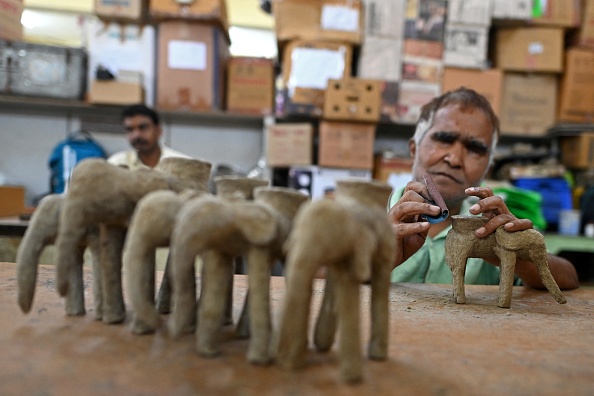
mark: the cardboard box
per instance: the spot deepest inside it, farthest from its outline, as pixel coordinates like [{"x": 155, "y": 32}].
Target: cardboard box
[
  {"x": 346, "y": 145},
  {"x": 326, "y": 20},
  {"x": 12, "y": 200},
  {"x": 529, "y": 49},
  {"x": 470, "y": 12},
  {"x": 512, "y": 9},
  {"x": 384, "y": 18},
  {"x": 116, "y": 92},
  {"x": 412, "y": 97},
  {"x": 424, "y": 70},
  {"x": 586, "y": 32},
  {"x": 562, "y": 13},
  {"x": 577, "y": 152},
  {"x": 423, "y": 49},
  {"x": 390, "y": 166},
  {"x": 425, "y": 20},
  {"x": 352, "y": 99},
  {"x": 319, "y": 182},
  {"x": 488, "y": 83},
  {"x": 466, "y": 46},
  {"x": 123, "y": 47},
  {"x": 10, "y": 19},
  {"x": 122, "y": 10},
  {"x": 214, "y": 11},
  {"x": 385, "y": 67},
  {"x": 577, "y": 86},
  {"x": 191, "y": 66},
  {"x": 389, "y": 106},
  {"x": 528, "y": 104},
  {"x": 330, "y": 60},
  {"x": 250, "y": 85},
  {"x": 289, "y": 144}
]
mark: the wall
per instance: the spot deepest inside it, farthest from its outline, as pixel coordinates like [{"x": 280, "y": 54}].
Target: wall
[{"x": 26, "y": 141}]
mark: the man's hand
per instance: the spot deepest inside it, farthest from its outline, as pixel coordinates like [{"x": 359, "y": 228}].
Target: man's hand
[
  {"x": 493, "y": 207},
  {"x": 410, "y": 231}
]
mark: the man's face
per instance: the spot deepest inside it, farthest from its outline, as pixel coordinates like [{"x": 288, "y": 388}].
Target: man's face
[
  {"x": 455, "y": 151},
  {"x": 142, "y": 133}
]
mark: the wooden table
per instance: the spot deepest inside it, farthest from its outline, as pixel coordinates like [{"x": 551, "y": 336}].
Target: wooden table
[{"x": 537, "y": 347}]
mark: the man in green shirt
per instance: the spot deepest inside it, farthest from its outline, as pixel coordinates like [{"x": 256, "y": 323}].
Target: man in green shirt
[{"x": 454, "y": 142}]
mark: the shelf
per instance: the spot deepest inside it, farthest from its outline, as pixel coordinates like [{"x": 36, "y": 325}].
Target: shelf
[
  {"x": 110, "y": 114},
  {"x": 557, "y": 243}
]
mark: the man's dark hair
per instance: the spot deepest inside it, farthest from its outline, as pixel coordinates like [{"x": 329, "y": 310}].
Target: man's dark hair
[{"x": 141, "y": 109}]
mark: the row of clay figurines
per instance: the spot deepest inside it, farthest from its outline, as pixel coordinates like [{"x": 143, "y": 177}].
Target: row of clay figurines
[{"x": 124, "y": 216}]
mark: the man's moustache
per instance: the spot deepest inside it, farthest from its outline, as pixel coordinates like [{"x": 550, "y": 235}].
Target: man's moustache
[{"x": 140, "y": 142}]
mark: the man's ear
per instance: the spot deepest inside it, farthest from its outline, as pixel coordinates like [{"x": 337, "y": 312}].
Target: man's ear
[{"x": 412, "y": 148}]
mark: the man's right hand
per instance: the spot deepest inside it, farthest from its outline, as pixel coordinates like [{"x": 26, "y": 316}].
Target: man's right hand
[{"x": 410, "y": 229}]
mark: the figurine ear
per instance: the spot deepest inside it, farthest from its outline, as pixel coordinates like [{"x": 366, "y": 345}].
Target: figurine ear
[{"x": 256, "y": 222}]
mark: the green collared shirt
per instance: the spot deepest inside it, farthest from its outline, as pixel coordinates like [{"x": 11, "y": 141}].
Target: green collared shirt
[{"x": 428, "y": 264}]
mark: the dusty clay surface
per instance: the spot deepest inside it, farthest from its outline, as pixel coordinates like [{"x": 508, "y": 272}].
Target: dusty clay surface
[{"x": 437, "y": 347}]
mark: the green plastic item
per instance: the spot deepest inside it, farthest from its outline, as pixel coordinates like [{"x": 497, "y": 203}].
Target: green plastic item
[{"x": 523, "y": 204}]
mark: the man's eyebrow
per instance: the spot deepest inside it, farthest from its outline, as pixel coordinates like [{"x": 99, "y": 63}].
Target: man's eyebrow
[{"x": 476, "y": 145}]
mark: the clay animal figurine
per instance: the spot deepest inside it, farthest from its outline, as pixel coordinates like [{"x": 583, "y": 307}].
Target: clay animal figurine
[
  {"x": 198, "y": 231},
  {"x": 103, "y": 195},
  {"x": 353, "y": 237},
  {"x": 41, "y": 232},
  {"x": 461, "y": 244},
  {"x": 151, "y": 227},
  {"x": 255, "y": 318}
]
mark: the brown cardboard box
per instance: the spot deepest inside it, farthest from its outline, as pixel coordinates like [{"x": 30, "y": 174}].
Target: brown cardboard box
[
  {"x": 250, "y": 85},
  {"x": 423, "y": 49},
  {"x": 346, "y": 145},
  {"x": 116, "y": 92},
  {"x": 586, "y": 32},
  {"x": 10, "y": 20},
  {"x": 486, "y": 82},
  {"x": 289, "y": 144},
  {"x": 191, "y": 65},
  {"x": 352, "y": 99},
  {"x": 203, "y": 10},
  {"x": 387, "y": 164},
  {"x": 326, "y": 20},
  {"x": 530, "y": 49},
  {"x": 577, "y": 152},
  {"x": 577, "y": 86},
  {"x": 563, "y": 13},
  {"x": 12, "y": 200},
  {"x": 328, "y": 59},
  {"x": 389, "y": 107},
  {"x": 122, "y": 10},
  {"x": 528, "y": 104}
]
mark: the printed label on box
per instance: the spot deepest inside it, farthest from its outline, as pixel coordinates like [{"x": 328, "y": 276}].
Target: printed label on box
[
  {"x": 336, "y": 17},
  {"x": 188, "y": 55}
]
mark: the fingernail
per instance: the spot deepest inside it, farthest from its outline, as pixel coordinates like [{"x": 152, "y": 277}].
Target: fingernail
[
  {"x": 508, "y": 225},
  {"x": 481, "y": 231},
  {"x": 475, "y": 207}
]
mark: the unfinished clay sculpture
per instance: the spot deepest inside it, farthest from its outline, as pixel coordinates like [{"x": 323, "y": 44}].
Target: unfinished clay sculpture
[
  {"x": 353, "y": 238},
  {"x": 41, "y": 232},
  {"x": 203, "y": 213},
  {"x": 461, "y": 244},
  {"x": 150, "y": 227},
  {"x": 217, "y": 229},
  {"x": 104, "y": 195},
  {"x": 285, "y": 203}
]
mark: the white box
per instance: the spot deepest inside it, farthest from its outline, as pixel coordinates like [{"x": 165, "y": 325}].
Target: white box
[
  {"x": 512, "y": 9},
  {"x": 320, "y": 182},
  {"x": 472, "y": 12},
  {"x": 384, "y": 18},
  {"x": 128, "y": 47},
  {"x": 388, "y": 66},
  {"x": 466, "y": 46}
]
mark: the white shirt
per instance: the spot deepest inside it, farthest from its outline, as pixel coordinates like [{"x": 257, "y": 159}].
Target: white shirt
[{"x": 130, "y": 158}]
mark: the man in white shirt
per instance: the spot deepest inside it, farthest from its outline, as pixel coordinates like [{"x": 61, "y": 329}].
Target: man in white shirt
[{"x": 143, "y": 130}]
